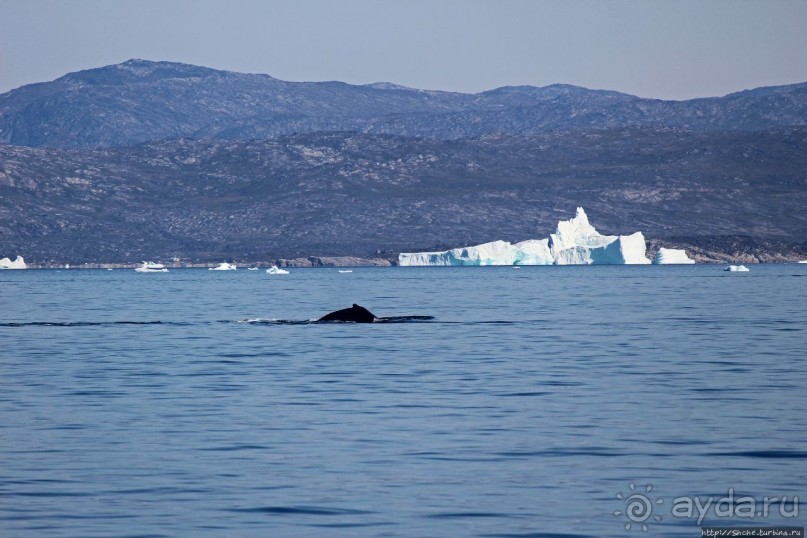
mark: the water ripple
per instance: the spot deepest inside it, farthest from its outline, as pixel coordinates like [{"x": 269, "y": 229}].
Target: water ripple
[{"x": 300, "y": 510}]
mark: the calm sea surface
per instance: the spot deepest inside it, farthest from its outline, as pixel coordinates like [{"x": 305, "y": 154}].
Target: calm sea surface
[{"x": 138, "y": 405}]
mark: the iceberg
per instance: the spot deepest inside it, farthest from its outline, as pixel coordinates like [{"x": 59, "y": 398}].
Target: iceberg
[
  {"x": 575, "y": 242},
  {"x": 223, "y": 266},
  {"x": 18, "y": 263},
  {"x": 531, "y": 252},
  {"x": 150, "y": 267},
  {"x": 494, "y": 253},
  {"x": 275, "y": 270},
  {"x": 671, "y": 256},
  {"x": 736, "y": 268}
]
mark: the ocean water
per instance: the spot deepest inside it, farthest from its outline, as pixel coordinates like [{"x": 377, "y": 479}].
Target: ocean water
[{"x": 536, "y": 403}]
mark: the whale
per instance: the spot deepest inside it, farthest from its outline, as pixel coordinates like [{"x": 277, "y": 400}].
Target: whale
[{"x": 355, "y": 314}]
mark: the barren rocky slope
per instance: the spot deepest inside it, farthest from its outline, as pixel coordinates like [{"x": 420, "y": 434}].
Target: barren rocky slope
[{"x": 357, "y": 194}]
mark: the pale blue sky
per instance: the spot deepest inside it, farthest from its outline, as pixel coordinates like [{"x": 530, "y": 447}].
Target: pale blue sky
[{"x": 672, "y": 49}]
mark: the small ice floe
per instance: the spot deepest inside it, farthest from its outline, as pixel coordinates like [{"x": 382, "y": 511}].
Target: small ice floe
[
  {"x": 345, "y": 270},
  {"x": 516, "y": 266},
  {"x": 223, "y": 266},
  {"x": 275, "y": 270},
  {"x": 151, "y": 267},
  {"x": 18, "y": 263},
  {"x": 803, "y": 261},
  {"x": 736, "y": 268},
  {"x": 252, "y": 268}
]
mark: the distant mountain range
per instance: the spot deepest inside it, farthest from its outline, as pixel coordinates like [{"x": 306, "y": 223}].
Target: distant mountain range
[
  {"x": 147, "y": 160},
  {"x": 142, "y": 101}
]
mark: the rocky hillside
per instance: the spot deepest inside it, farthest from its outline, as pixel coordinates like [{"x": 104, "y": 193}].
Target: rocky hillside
[
  {"x": 141, "y": 101},
  {"x": 149, "y": 160},
  {"x": 349, "y": 193}
]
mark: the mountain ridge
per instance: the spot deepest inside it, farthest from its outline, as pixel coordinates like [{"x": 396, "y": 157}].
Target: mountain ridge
[{"x": 139, "y": 101}]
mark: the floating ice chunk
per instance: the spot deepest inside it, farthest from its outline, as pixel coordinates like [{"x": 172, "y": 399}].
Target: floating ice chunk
[
  {"x": 149, "y": 267},
  {"x": 345, "y": 270},
  {"x": 223, "y": 266},
  {"x": 671, "y": 256},
  {"x": 736, "y": 268},
  {"x": 275, "y": 270},
  {"x": 18, "y": 263}
]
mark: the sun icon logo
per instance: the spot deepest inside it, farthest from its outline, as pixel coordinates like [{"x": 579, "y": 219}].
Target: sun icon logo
[{"x": 638, "y": 507}]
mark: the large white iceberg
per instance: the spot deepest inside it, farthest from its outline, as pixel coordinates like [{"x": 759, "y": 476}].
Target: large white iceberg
[
  {"x": 575, "y": 242},
  {"x": 18, "y": 263},
  {"x": 671, "y": 256}
]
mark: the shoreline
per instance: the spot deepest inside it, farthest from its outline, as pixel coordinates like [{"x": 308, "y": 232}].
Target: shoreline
[
  {"x": 336, "y": 262},
  {"x": 699, "y": 251}
]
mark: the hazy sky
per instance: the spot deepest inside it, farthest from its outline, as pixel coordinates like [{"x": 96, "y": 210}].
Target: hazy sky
[{"x": 673, "y": 49}]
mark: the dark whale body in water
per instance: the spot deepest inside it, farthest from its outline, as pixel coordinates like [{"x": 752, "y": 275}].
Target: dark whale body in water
[
  {"x": 356, "y": 314},
  {"x": 359, "y": 314}
]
